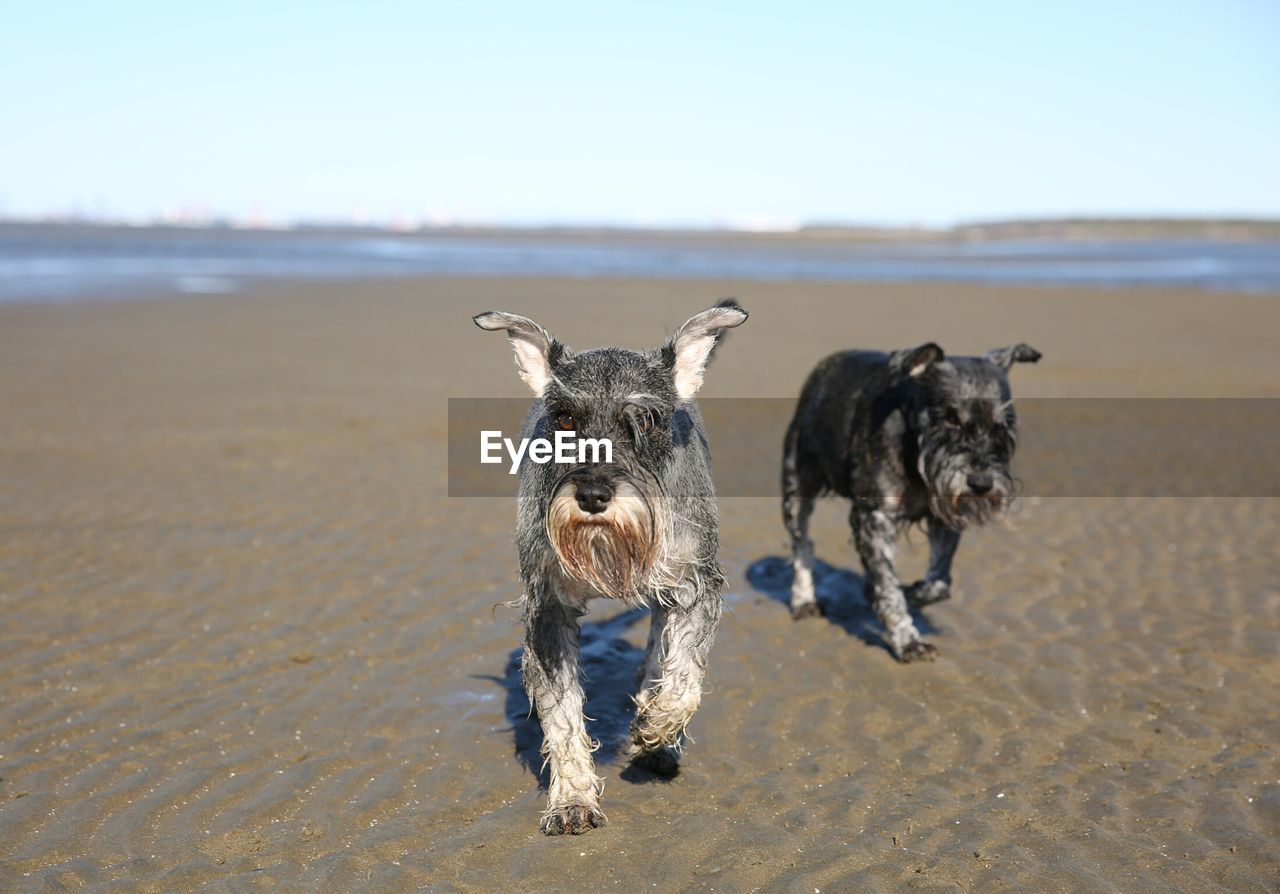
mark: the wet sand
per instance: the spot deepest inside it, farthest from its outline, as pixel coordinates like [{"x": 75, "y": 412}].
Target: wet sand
[{"x": 250, "y": 644}]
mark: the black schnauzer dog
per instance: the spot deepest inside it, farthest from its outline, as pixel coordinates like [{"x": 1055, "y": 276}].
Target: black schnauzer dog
[
  {"x": 912, "y": 436},
  {"x": 640, "y": 526}
]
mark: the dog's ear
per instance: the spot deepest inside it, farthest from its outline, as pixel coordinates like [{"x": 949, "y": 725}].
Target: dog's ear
[
  {"x": 1019, "y": 353},
  {"x": 915, "y": 362},
  {"x": 690, "y": 348},
  {"x": 534, "y": 347}
]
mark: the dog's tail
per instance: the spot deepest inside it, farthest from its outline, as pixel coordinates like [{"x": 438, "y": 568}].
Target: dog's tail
[{"x": 723, "y": 333}]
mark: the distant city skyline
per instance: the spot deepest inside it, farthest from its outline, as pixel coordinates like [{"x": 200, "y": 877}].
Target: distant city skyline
[{"x": 927, "y": 114}]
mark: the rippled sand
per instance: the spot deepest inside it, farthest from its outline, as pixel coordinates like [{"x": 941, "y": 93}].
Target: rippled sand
[{"x": 248, "y": 643}]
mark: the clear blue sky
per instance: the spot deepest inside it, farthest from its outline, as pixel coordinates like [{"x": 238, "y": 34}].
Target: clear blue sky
[{"x": 697, "y": 114}]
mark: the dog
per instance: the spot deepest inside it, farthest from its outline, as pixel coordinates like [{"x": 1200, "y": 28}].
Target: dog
[
  {"x": 909, "y": 437},
  {"x": 643, "y": 528}
]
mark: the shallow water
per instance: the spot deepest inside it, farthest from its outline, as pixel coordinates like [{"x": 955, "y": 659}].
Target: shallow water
[{"x": 68, "y": 263}]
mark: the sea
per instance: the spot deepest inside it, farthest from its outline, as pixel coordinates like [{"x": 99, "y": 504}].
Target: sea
[{"x": 75, "y": 263}]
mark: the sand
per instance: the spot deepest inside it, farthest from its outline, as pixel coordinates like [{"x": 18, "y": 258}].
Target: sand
[{"x": 250, "y": 644}]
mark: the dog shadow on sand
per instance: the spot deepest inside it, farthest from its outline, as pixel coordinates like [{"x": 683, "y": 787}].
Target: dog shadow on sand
[
  {"x": 610, "y": 662},
  {"x": 609, "y": 665},
  {"x": 840, "y": 592}
]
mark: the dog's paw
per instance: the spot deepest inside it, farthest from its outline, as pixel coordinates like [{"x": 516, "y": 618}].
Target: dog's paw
[
  {"x": 918, "y": 650},
  {"x": 927, "y": 592},
  {"x": 572, "y": 819},
  {"x": 807, "y": 610},
  {"x": 663, "y": 761}
]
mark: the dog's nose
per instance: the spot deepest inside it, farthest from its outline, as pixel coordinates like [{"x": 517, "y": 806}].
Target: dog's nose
[
  {"x": 594, "y": 496},
  {"x": 980, "y": 482}
]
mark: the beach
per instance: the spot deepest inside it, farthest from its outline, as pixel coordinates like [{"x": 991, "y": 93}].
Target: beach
[{"x": 251, "y": 644}]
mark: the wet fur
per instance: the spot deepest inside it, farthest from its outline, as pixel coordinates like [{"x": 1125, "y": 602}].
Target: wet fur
[
  {"x": 900, "y": 435},
  {"x": 656, "y": 544}
]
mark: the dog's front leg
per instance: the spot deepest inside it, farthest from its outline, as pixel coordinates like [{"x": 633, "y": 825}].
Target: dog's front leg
[
  {"x": 875, "y": 535},
  {"x": 675, "y": 667},
  {"x": 936, "y": 586},
  {"x": 551, "y": 678},
  {"x": 651, "y": 671}
]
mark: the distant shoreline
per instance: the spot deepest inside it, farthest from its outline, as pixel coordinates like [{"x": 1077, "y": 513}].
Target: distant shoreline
[
  {"x": 1061, "y": 229},
  {"x": 70, "y": 260}
]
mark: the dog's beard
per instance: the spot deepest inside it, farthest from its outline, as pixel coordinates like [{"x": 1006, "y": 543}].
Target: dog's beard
[
  {"x": 951, "y": 500},
  {"x": 611, "y": 551},
  {"x": 958, "y": 510}
]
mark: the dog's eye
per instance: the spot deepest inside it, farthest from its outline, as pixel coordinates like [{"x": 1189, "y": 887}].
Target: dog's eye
[
  {"x": 642, "y": 421},
  {"x": 566, "y": 422},
  {"x": 951, "y": 418}
]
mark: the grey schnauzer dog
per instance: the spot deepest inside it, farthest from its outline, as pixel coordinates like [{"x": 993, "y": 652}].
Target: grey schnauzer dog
[
  {"x": 912, "y": 436},
  {"x": 643, "y": 528}
]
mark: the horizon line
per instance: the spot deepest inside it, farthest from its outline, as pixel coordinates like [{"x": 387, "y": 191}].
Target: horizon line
[{"x": 749, "y": 227}]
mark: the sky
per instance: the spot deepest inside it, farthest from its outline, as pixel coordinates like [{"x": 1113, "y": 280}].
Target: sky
[{"x": 708, "y": 114}]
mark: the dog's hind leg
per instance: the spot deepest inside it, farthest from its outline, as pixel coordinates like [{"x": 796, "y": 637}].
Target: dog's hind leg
[
  {"x": 551, "y": 678},
  {"x": 936, "y": 585},
  {"x": 797, "y": 507},
  {"x": 874, "y": 534},
  {"x": 675, "y": 666}
]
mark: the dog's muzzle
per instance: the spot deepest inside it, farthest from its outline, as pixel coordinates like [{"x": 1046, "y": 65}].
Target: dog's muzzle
[
  {"x": 604, "y": 531},
  {"x": 980, "y": 483},
  {"x": 973, "y": 498},
  {"x": 593, "y": 495}
]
